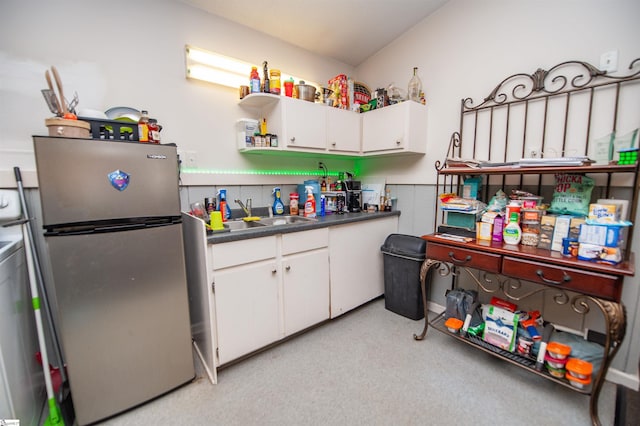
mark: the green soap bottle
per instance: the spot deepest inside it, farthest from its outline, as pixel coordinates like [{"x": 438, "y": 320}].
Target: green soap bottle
[{"x": 278, "y": 206}]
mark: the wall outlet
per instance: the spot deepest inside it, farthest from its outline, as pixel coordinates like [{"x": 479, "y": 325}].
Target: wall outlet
[
  {"x": 609, "y": 61},
  {"x": 190, "y": 160}
]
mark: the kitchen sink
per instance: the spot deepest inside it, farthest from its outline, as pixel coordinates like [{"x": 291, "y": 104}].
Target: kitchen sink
[
  {"x": 286, "y": 220},
  {"x": 239, "y": 225}
]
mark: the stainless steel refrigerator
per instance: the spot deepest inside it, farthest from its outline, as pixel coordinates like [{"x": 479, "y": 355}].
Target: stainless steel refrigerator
[{"x": 111, "y": 214}]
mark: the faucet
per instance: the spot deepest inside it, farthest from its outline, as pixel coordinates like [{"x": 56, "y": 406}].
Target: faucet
[{"x": 247, "y": 208}]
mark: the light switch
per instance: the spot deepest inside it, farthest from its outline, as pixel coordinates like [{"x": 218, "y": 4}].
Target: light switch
[{"x": 609, "y": 61}]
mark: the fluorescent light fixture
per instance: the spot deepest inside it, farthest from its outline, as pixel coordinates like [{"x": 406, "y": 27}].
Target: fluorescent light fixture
[
  {"x": 219, "y": 69},
  {"x": 215, "y": 68}
]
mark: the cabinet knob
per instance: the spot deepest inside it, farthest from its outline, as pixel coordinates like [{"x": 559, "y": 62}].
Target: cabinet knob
[
  {"x": 398, "y": 142},
  {"x": 274, "y": 271},
  {"x": 288, "y": 267},
  {"x": 333, "y": 144},
  {"x": 293, "y": 139}
]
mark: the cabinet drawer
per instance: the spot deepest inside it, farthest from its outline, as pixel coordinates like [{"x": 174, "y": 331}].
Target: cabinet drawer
[
  {"x": 296, "y": 242},
  {"x": 241, "y": 252},
  {"x": 463, "y": 257},
  {"x": 592, "y": 283}
]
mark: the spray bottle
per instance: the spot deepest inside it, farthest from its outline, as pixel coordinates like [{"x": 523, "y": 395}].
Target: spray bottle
[
  {"x": 223, "y": 206},
  {"x": 278, "y": 205},
  {"x": 310, "y": 204}
]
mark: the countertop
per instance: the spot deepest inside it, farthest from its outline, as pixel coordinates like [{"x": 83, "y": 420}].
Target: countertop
[{"x": 322, "y": 222}]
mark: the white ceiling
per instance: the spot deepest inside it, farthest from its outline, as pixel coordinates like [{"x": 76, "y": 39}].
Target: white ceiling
[{"x": 349, "y": 31}]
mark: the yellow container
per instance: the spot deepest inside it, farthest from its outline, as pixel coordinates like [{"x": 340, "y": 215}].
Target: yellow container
[{"x": 274, "y": 84}]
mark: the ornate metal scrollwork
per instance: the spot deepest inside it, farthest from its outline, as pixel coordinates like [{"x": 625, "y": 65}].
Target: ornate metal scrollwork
[{"x": 564, "y": 77}]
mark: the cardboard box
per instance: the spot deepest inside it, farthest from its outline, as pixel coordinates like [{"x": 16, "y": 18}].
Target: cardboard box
[
  {"x": 462, "y": 219},
  {"x": 598, "y": 253},
  {"x": 603, "y": 235},
  {"x": 484, "y": 231},
  {"x": 560, "y": 231},
  {"x": 574, "y": 227},
  {"x": 340, "y": 86},
  {"x": 547, "y": 225},
  {"x": 471, "y": 187},
  {"x": 604, "y": 213}
]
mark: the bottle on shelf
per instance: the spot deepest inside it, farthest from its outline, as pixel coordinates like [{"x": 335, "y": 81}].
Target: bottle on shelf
[
  {"x": 278, "y": 205},
  {"x": 512, "y": 233},
  {"x": 414, "y": 89},
  {"x": 223, "y": 206},
  {"x": 154, "y": 130},
  {"x": 310, "y": 204},
  {"x": 143, "y": 126},
  {"x": 254, "y": 80},
  {"x": 266, "y": 87},
  {"x": 293, "y": 203},
  {"x": 274, "y": 83}
]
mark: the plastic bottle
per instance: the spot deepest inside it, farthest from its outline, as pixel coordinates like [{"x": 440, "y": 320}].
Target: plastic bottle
[
  {"x": 310, "y": 204},
  {"x": 254, "y": 80},
  {"x": 323, "y": 185},
  {"x": 323, "y": 205},
  {"x": 143, "y": 126},
  {"x": 223, "y": 206},
  {"x": 154, "y": 130},
  {"x": 275, "y": 81},
  {"x": 278, "y": 205},
  {"x": 266, "y": 87},
  {"x": 293, "y": 203},
  {"x": 415, "y": 86},
  {"x": 512, "y": 233}
]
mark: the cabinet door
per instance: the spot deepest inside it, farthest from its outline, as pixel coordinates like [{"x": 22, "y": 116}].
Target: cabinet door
[
  {"x": 247, "y": 308},
  {"x": 305, "y": 289},
  {"x": 343, "y": 130},
  {"x": 383, "y": 129},
  {"x": 356, "y": 270},
  {"x": 396, "y": 128},
  {"x": 304, "y": 124}
]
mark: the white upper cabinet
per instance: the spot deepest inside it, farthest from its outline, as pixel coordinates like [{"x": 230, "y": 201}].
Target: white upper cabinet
[
  {"x": 399, "y": 128},
  {"x": 343, "y": 131},
  {"x": 303, "y": 126}
]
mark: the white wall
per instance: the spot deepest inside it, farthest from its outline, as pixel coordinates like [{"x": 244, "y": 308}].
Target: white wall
[
  {"x": 124, "y": 53},
  {"x": 467, "y": 47}
]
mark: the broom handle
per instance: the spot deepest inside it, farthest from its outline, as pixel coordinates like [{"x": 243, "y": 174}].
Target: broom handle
[
  {"x": 35, "y": 302},
  {"x": 40, "y": 277}
]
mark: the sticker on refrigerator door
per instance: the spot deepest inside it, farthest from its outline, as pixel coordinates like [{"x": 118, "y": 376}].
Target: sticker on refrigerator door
[{"x": 119, "y": 179}]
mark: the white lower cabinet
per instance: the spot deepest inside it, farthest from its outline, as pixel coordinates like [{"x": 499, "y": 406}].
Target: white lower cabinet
[
  {"x": 246, "y": 293},
  {"x": 246, "y": 309},
  {"x": 305, "y": 278},
  {"x": 357, "y": 274}
]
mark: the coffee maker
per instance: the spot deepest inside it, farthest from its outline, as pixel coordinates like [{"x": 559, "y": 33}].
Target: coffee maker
[{"x": 354, "y": 195}]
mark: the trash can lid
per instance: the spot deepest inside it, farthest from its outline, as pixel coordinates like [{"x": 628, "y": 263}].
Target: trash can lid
[{"x": 406, "y": 245}]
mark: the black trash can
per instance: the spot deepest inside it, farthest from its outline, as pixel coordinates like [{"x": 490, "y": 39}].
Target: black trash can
[{"x": 403, "y": 257}]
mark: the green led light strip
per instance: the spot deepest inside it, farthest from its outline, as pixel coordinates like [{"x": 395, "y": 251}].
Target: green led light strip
[{"x": 188, "y": 170}]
